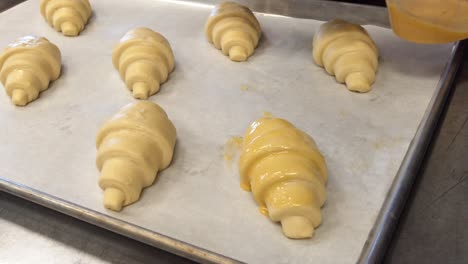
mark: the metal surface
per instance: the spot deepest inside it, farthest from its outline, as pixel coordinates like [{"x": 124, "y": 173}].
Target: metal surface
[
  {"x": 30, "y": 233},
  {"x": 380, "y": 236},
  {"x": 5, "y": 4},
  {"x": 115, "y": 225},
  {"x": 432, "y": 227},
  {"x": 371, "y": 253}
]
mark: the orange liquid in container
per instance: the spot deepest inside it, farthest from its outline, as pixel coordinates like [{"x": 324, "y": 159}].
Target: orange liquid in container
[{"x": 429, "y": 21}]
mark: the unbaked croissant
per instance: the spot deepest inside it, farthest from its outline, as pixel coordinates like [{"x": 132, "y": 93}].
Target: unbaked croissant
[
  {"x": 66, "y": 16},
  {"x": 132, "y": 147},
  {"x": 286, "y": 173},
  {"x": 27, "y": 66},
  {"x": 144, "y": 60},
  {"x": 346, "y": 51},
  {"x": 234, "y": 29}
]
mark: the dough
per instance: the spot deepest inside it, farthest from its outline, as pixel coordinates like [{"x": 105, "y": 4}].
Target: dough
[
  {"x": 144, "y": 60},
  {"x": 286, "y": 173},
  {"x": 27, "y": 66},
  {"x": 66, "y": 16},
  {"x": 234, "y": 29},
  {"x": 346, "y": 51},
  {"x": 132, "y": 147}
]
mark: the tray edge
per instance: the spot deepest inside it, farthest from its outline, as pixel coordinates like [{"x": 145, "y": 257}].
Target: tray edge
[
  {"x": 118, "y": 226},
  {"x": 374, "y": 248},
  {"x": 380, "y": 235}
]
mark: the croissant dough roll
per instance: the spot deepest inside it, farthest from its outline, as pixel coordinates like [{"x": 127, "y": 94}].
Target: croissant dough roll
[
  {"x": 346, "y": 51},
  {"x": 144, "y": 60},
  {"x": 132, "y": 147},
  {"x": 286, "y": 173},
  {"x": 66, "y": 16},
  {"x": 234, "y": 29},
  {"x": 27, "y": 66}
]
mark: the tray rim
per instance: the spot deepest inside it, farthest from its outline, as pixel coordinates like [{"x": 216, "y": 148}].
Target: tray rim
[{"x": 381, "y": 233}]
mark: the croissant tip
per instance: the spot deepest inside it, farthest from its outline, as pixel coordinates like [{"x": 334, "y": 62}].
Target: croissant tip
[
  {"x": 355, "y": 82},
  {"x": 19, "y": 97},
  {"x": 237, "y": 53},
  {"x": 113, "y": 199},
  {"x": 297, "y": 227},
  {"x": 140, "y": 90},
  {"x": 69, "y": 29}
]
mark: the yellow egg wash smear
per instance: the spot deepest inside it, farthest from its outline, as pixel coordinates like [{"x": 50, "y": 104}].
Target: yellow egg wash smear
[
  {"x": 231, "y": 148},
  {"x": 234, "y": 145},
  {"x": 451, "y": 21}
]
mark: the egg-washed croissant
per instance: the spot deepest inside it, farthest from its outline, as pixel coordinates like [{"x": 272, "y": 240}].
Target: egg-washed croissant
[
  {"x": 27, "y": 66},
  {"x": 347, "y": 51},
  {"x": 66, "y": 16},
  {"x": 144, "y": 60},
  {"x": 286, "y": 173},
  {"x": 133, "y": 147},
  {"x": 234, "y": 30}
]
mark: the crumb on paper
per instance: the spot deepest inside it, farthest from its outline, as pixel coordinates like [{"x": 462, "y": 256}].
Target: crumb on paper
[
  {"x": 231, "y": 148},
  {"x": 379, "y": 144},
  {"x": 244, "y": 87},
  {"x": 386, "y": 142},
  {"x": 343, "y": 113},
  {"x": 267, "y": 114}
]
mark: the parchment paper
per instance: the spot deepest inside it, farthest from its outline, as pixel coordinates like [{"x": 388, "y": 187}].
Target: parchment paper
[{"x": 50, "y": 144}]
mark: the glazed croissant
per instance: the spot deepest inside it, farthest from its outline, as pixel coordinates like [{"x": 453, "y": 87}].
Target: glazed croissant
[
  {"x": 144, "y": 60},
  {"x": 346, "y": 51},
  {"x": 27, "y": 66},
  {"x": 234, "y": 29},
  {"x": 286, "y": 173},
  {"x": 66, "y": 16},
  {"x": 132, "y": 147}
]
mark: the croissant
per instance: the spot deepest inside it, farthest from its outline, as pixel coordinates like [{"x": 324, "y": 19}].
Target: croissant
[
  {"x": 144, "y": 60},
  {"x": 27, "y": 66},
  {"x": 234, "y": 29},
  {"x": 346, "y": 51},
  {"x": 66, "y": 16},
  {"x": 132, "y": 147},
  {"x": 286, "y": 173}
]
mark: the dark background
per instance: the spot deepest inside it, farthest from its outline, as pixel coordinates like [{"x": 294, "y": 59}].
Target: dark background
[{"x": 367, "y": 2}]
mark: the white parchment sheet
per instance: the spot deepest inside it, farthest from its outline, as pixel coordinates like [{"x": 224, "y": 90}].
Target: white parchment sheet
[{"x": 50, "y": 144}]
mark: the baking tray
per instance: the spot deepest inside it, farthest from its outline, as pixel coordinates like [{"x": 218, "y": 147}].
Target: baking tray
[{"x": 196, "y": 208}]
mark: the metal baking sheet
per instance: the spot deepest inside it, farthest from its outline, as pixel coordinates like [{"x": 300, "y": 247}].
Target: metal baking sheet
[{"x": 196, "y": 208}]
